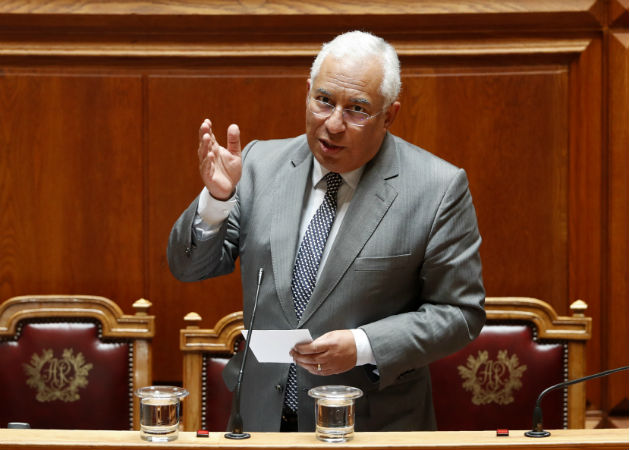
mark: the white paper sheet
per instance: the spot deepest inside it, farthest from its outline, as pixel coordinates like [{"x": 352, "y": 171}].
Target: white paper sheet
[{"x": 273, "y": 346}]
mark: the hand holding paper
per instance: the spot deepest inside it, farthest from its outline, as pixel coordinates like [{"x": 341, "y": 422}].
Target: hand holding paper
[{"x": 331, "y": 353}]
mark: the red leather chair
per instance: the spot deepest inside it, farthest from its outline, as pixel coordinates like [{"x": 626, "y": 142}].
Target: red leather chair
[
  {"x": 73, "y": 362},
  {"x": 205, "y": 353},
  {"x": 492, "y": 383},
  {"x": 523, "y": 348}
]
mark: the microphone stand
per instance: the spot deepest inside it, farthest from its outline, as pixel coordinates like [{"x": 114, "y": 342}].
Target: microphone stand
[
  {"x": 236, "y": 420},
  {"x": 537, "y": 429}
]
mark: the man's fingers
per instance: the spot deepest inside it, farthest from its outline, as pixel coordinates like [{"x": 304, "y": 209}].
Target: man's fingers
[
  {"x": 207, "y": 140},
  {"x": 234, "y": 139},
  {"x": 333, "y": 352},
  {"x": 204, "y": 146},
  {"x": 204, "y": 128},
  {"x": 311, "y": 348}
]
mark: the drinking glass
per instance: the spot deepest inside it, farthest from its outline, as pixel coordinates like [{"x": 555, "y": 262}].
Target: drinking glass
[
  {"x": 334, "y": 412},
  {"x": 160, "y": 408}
]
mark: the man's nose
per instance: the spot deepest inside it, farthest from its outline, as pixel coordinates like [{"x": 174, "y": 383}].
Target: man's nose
[{"x": 335, "y": 122}]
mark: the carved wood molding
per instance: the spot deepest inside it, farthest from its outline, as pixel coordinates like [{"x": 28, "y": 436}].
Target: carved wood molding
[
  {"x": 256, "y": 16},
  {"x": 218, "y": 340},
  {"x": 205, "y": 50},
  {"x": 239, "y": 7},
  {"x": 548, "y": 323},
  {"x": 618, "y": 13},
  {"x": 114, "y": 322},
  {"x": 189, "y": 29}
]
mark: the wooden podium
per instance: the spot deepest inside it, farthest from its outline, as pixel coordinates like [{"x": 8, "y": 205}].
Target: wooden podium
[{"x": 442, "y": 440}]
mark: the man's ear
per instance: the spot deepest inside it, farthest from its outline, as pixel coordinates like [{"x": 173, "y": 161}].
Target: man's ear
[{"x": 391, "y": 113}]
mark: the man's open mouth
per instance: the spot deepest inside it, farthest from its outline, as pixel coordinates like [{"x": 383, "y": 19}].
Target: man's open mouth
[{"x": 328, "y": 146}]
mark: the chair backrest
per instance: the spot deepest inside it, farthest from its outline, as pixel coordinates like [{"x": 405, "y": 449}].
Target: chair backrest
[
  {"x": 523, "y": 348},
  {"x": 491, "y": 383},
  {"x": 205, "y": 353},
  {"x": 73, "y": 362}
]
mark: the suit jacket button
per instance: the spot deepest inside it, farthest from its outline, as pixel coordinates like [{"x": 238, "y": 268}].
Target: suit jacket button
[
  {"x": 278, "y": 387},
  {"x": 188, "y": 251}
]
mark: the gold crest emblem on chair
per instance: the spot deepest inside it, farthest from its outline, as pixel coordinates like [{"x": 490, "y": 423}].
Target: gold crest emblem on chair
[
  {"x": 492, "y": 381},
  {"x": 57, "y": 378}
]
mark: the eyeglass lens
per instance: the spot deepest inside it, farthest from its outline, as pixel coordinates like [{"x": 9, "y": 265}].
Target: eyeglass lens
[{"x": 323, "y": 109}]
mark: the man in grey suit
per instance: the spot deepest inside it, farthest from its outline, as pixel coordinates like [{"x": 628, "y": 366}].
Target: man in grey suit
[{"x": 387, "y": 275}]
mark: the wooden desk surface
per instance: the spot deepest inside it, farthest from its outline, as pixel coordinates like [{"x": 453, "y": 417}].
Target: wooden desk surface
[{"x": 97, "y": 439}]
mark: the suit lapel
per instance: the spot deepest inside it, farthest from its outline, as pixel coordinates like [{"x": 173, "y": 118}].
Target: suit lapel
[
  {"x": 370, "y": 203},
  {"x": 290, "y": 187}
]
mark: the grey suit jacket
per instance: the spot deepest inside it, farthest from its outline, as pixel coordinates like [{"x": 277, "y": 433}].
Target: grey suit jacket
[{"x": 404, "y": 267}]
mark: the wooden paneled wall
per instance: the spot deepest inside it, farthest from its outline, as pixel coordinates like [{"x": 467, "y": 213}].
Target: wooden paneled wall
[{"x": 101, "y": 102}]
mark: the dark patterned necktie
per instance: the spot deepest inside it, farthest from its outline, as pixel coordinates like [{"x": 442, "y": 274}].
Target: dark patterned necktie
[{"x": 307, "y": 264}]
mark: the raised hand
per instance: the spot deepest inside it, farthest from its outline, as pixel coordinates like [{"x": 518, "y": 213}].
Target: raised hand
[{"x": 220, "y": 167}]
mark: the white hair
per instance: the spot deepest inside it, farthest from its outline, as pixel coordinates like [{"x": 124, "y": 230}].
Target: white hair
[{"x": 358, "y": 45}]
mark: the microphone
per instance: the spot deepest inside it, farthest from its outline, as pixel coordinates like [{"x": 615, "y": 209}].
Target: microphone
[
  {"x": 235, "y": 418},
  {"x": 537, "y": 429}
]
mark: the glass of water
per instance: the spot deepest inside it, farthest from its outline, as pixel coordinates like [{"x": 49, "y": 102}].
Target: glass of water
[
  {"x": 160, "y": 409},
  {"x": 334, "y": 412}
]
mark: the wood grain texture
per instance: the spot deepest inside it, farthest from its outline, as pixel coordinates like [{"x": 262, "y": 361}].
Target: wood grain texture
[
  {"x": 306, "y": 7},
  {"x": 71, "y": 185},
  {"x": 251, "y": 21},
  {"x": 617, "y": 276},
  {"x": 586, "y": 227},
  {"x": 86, "y": 46},
  {"x": 445, "y": 440},
  {"x": 618, "y": 13},
  {"x": 114, "y": 323}
]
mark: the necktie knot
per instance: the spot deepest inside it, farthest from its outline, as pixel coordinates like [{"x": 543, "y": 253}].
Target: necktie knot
[{"x": 333, "y": 181}]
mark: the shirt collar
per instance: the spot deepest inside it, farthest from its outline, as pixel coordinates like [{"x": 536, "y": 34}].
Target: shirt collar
[{"x": 350, "y": 178}]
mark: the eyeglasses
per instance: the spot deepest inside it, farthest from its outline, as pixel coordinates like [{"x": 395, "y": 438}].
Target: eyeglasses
[{"x": 350, "y": 116}]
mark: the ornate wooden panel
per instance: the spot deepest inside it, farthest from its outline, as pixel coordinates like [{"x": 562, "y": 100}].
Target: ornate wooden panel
[
  {"x": 616, "y": 328},
  {"x": 70, "y": 184}
]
